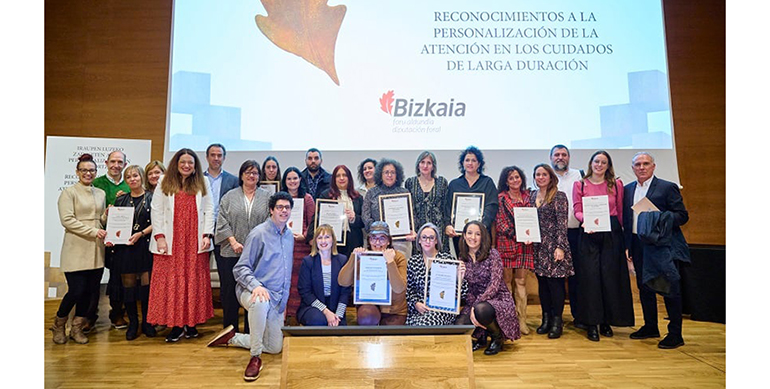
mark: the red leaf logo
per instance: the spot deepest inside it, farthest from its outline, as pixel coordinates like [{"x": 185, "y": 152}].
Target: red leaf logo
[{"x": 386, "y": 102}]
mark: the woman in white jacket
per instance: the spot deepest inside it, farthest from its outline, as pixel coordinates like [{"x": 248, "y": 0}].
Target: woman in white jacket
[{"x": 182, "y": 230}]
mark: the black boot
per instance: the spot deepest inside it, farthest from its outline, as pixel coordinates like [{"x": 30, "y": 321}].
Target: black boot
[
  {"x": 129, "y": 296},
  {"x": 496, "y": 345},
  {"x": 556, "y": 328},
  {"x": 147, "y": 329},
  {"x": 481, "y": 342},
  {"x": 546, "y": 325}
]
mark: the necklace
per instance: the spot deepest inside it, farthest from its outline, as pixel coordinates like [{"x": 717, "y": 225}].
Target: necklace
[{"x": 137, "y": 209}]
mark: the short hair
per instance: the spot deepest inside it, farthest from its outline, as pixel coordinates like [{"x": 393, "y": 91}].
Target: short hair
[
  {"x": 558, "y": 147},
  {"x": 302, "y": 190},
  {"x": 279, "y": 196},
  {"x": 138, "y": 169},
  {"x": 246, "y": 165},
  {"x": 117, "y": 151},
  {"x": 502, "y": 182},
  {"x": 381, "y": 165},
  {"x": 484, "y": 249},
  {"x": 224, "y": 152},
  {"x": 435, "y": 229},
  {"x": 314, "y": 150},
  {"x": 642, "y": 153},
  {"x": 323, "y": 229},
  {"x": 479, "y": 156},
  {"x": 361, "y": 177},
  {"x": 422, "y": 156},
  {"x": 85, "y": 158}
]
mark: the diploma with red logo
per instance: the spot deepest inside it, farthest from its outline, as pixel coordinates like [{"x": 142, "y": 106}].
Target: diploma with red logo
[
  {"x": 596, "y": 213},
  {"x": 119, "y": 222},
  {"x": 527, "y": 224}
]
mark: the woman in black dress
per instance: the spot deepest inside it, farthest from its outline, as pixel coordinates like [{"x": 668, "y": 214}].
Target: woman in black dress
[{"x": 133, "y": 261}]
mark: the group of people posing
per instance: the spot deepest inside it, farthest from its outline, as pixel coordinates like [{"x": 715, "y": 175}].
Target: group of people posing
[{"x": 279, "y": 276}]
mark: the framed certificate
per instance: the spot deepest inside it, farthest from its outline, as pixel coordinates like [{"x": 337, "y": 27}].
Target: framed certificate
[
  {"x": 396, "y": 210},
  {"x": 270, "y": 186},
  {"x": 371, "y": 284},
  {"x": 119, "y": 222},
  {"x": 596, "y": 213},
  {"x": 466, "y": 207},
  {"x": 527, "y": 224},
  {"x": 443, "y": 285},
  {"x": 297, "y": 217},
  {"x": 332, "y": 212}
]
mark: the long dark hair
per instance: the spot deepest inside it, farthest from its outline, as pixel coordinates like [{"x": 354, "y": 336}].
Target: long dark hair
[
  {"x": 334, "y": 191},
  {"x": 264, "y": 164},
  {"x": 302, "y": 190},
  {"x": 609, "y": 174},
  {"x": 502, "y": 182},
  {"x": 172, "y": 181},
  {"x": 553, "y": 183},
  {"x": 361, "y": 177},
  {"x": 484, "y": 249}
]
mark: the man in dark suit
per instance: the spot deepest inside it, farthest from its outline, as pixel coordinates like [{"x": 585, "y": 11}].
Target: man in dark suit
[
  {"x": 318, "y": 180},
  {"x": 221, "y": 183},
  {"x": 666, "y": 197}
]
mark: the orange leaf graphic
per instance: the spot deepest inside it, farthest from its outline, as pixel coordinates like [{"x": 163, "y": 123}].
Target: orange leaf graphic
[
  {"x": 386, "y": 102},
  {"x": 307, "y": 28}
]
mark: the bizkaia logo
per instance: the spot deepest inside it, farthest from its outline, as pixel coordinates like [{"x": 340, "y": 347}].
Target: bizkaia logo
[{"x": 427, "y": 108}]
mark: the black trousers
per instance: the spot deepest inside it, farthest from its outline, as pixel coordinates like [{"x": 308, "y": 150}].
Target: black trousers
[
  {"x": 573, "y": 235},
  {"x": 82, "y": 286},
  {"x": 230, "y": 305},
  {"x": 649, "y": 298}
]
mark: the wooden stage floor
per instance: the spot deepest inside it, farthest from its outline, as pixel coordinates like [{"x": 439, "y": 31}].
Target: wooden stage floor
[{"x": 533, "y": 361}]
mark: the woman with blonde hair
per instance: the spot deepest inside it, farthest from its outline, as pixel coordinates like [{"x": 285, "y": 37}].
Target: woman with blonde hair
[
  {"x": 182, "y": 230},
  {"x": 153, "y": 171},
  {"x": 324, "y": 300}
]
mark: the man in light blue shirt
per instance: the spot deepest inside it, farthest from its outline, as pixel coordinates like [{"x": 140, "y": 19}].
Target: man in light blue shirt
[
  {"x": 263, "y": 280},
  {"x": 220, "y": 180}
]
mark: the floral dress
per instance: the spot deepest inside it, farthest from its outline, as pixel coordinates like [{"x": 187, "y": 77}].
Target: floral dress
[
  {"x": 553, "y": 234},
  {"x": 485, "y": 283}
]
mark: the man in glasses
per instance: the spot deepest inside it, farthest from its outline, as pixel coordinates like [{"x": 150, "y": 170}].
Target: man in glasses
[{"x": 263, "y": 279}]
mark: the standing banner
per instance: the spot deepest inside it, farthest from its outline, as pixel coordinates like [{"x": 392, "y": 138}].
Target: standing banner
[{"x": 61, "y": 156}]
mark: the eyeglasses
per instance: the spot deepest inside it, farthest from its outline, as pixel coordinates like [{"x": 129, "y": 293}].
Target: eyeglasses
[
  {"x": 84, "y": 171},
  {"x": 283, "y": 207},
  {"x": 381, "y": 238},
  {"x": 428, "y": 238},
  {"x": 389, "y": 173},
  {"x": 251, "y": 173}
]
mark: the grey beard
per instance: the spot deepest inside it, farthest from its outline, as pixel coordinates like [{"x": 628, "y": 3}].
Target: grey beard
[{"x": 560, "y": 167}]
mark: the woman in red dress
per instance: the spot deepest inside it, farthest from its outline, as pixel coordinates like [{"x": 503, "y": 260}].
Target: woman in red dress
[
  {"x": 293, "y": 183},
  {"x": 182, "y": 228}
]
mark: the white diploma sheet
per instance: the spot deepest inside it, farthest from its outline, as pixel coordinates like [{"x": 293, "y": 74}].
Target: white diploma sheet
[
  {"x": 442, "y": 286},
  {"x": 396, "y": 211},
  {"x": 596, "y": 213},
  {"x": 371, "y": 282},
  {"x": 527, "y": 224},
  {"x": 119, "y": 222},
  {"x": 297, "y": 218},
  {"x": 467, "y": 207},
  {"x": 332, "y": 212}
]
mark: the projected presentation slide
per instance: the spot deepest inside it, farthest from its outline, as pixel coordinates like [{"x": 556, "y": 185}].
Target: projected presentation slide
[{"x": 408, "y": 75}]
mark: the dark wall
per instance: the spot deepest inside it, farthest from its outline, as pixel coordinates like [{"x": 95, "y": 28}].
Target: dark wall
[{"x": 106, "y": 75}]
